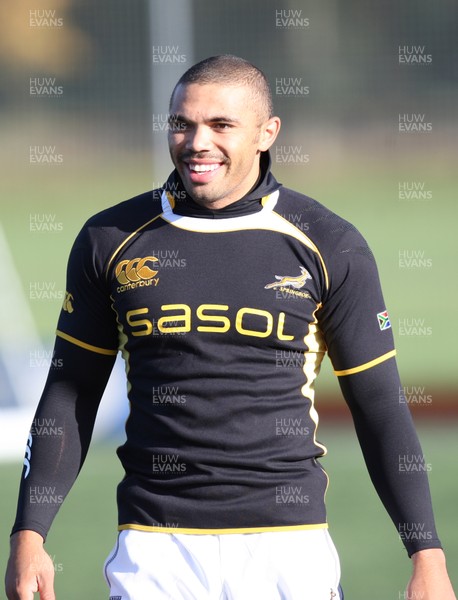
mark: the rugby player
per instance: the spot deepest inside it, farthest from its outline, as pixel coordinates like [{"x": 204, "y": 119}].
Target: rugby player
[{"x": 223, "y": 493}]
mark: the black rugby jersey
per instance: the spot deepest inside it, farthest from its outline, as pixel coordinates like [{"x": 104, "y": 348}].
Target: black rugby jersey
[{"x": 223, "y": 318}]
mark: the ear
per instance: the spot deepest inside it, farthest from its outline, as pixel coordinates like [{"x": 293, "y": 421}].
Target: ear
[{"x": 269, "y": 132}]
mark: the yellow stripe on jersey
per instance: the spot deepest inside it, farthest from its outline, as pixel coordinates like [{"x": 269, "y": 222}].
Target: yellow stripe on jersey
[
  {"x": 267, "y": 219},
  {"x": 313, "y": 358},
  {"x": 81, "y": 344},
  {"x": 195, "y": 531},
  {"x": 310, "y": 244},
  {"x": 367, "y": 365},
  {"x": 171, "y": 200},
  {"x": 119, "y": 248}
]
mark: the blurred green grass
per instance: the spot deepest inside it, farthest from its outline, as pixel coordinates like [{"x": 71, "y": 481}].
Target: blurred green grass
[{"x": 374, "y": 563}]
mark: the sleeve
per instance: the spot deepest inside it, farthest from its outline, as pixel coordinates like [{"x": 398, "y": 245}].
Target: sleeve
[
  {"x": 353, "y": 318},
  {"x": 392, "y": 452},
  {"x": 84, "y": 354},
  {"x": 357, "y": 331},
  {"x": 87, "y": 318},
  {"x": 60, "y": 434}
]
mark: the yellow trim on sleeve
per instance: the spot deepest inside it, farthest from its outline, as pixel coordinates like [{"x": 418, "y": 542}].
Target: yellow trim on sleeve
[
  {"x": 81, "y": 344},
  {"x": 195, "y": 531},
  {"x": 367, "y": 365}
]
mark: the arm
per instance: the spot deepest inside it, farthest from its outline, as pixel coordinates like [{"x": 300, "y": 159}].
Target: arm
[
  {"x": 430, "y": 579},
  {"x": 30, "y": 569},
  {"x": 390, "y": 447},
  {"x": 360, "y": 343},
  {"x": 60, "y": 438},
  {"x": 390, "y": 444}
]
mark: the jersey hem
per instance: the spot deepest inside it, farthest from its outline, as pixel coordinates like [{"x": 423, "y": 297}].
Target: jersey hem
[{"x": 200, "y": 531}]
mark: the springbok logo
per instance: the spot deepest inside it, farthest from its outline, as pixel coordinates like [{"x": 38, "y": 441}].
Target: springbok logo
[
  {"x": 293, "y": 282},
  {"x": 136, "y": 273}
]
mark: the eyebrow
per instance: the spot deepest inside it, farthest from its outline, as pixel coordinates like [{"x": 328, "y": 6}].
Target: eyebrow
[{"x": 214, "y": 119}]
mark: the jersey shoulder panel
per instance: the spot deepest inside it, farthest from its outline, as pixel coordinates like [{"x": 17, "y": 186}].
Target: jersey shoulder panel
[
  {"x": 325, "y": 228},
  {"x": 338, "y": 241},
  {"x": 353, "y": 316},
  {"x": 87, "y": 317},
  {"x": 129, "y": 211},
  {"x": 106, "y": 231}
]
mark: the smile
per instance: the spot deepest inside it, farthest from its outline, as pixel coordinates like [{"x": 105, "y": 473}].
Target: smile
[{"x": 202, "y": 168}]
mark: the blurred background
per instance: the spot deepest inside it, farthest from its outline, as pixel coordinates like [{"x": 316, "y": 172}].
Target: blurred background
[{"x": 368, "y": 97}]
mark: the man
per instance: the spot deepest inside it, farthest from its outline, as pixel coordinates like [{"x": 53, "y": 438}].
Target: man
[{"x": 219, "y": 501}]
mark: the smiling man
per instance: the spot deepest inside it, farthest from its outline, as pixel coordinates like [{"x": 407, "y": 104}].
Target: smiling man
[
  {"x": 215, "y": 140},
  {"x": 223, "y": 494}
]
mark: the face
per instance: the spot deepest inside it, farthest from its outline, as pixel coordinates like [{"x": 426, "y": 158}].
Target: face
[{"x": 215, "y": 141}]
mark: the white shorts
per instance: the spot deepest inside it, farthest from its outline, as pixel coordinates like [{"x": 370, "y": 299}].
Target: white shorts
[{"x": 293, "y": 565}]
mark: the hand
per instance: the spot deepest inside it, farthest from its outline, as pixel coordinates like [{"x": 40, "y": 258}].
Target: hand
[
  {"x": 429, "y": 580},
  {"x": 30, "y": 569}
]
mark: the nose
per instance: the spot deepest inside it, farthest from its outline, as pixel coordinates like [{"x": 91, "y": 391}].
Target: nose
[{"x": 199, "y": 138}]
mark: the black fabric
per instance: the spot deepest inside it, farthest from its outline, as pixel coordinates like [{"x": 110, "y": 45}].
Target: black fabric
[
  {"x": 223, "y": 327},
  {"x": 392, "y": 452},
  {"x": 60, "y": 434}
]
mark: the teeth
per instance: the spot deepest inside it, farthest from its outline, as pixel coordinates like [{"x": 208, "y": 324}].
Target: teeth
[{"x": 203, "y": 168}]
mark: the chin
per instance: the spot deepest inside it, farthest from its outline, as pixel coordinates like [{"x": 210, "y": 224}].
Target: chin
[
  {"x": 202, "y": 199},
  {"x": 199, "y": 193}
]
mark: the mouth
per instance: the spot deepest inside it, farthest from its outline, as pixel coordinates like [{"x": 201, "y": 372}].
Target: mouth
[{"x": 202, "y": 172}]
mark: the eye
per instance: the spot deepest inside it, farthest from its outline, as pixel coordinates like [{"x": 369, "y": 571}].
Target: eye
[{"x": 222, "y": 126}]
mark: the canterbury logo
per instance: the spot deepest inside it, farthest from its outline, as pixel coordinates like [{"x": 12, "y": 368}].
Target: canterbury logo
[
  {"x": 68, "y": 303},
  {"x": 286, "y": 281},
  {"x": 132, "y": 271},
  {"x": 28, "y": 455}
]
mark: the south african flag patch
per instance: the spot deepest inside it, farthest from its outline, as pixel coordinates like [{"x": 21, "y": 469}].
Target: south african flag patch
[{"x": 383, "y": 320}]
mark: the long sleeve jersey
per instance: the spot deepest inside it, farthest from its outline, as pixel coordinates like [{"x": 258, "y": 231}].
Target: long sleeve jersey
[{"x": 223, "y": 318}]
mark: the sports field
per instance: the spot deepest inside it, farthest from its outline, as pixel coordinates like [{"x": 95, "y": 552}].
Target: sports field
[{"x": 374, "y": 563}]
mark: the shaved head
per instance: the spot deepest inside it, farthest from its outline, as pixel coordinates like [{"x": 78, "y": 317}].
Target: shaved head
[{"x": 229, "y": 70}]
